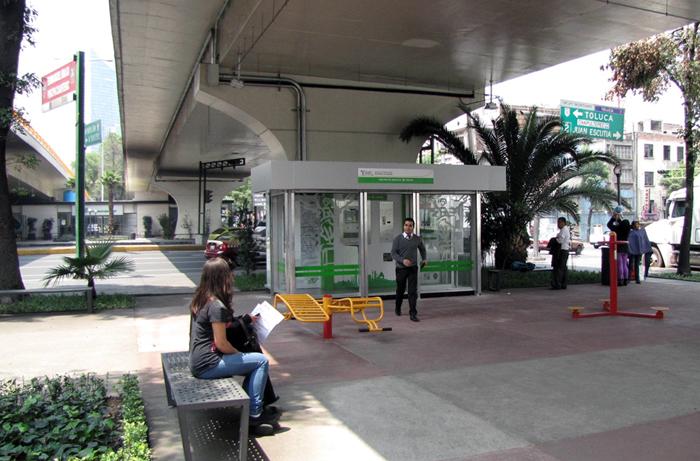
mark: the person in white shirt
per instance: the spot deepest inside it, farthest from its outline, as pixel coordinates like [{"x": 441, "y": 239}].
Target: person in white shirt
[{"x": 561, "y": 257}]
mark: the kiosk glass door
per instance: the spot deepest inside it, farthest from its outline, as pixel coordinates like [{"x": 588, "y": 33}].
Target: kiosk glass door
[
  {"x": 445, "y": 226},
  {"x": 275, "y": 226},
  {"x": 386, "y": 212},
  {"x": 326, "y": 243}
]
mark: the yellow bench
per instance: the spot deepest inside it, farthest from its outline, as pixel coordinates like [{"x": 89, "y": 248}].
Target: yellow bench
[
  {"x": 357, "y": 308},
  {"x": 302, "y": 307}
]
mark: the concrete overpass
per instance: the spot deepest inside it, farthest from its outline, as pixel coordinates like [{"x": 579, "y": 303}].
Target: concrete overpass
[
  {"x": 44, "y": 182},
  {"x": 330, "y": 80}
]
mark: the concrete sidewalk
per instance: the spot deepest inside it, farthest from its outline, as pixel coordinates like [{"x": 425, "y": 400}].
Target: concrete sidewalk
[{"x": 503, "y": 376}]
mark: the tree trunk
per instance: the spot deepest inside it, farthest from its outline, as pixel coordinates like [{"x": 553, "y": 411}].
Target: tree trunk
[
  {"x": 91, "y": 284},
  {"x": 690, "y": 149},
  {"x": 11, "y": 33},
  {"x": 111, "y": 209}
]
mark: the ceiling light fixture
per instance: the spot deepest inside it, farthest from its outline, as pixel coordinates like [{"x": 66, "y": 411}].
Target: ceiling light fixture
[
  {"x": 491, "y": 105},
  {"x": 237, "y": 82}
]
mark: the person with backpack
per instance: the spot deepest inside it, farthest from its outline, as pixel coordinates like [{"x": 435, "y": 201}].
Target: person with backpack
[
  {"x": 211, "y": 354},
  {"x": 639, "y": 245}
]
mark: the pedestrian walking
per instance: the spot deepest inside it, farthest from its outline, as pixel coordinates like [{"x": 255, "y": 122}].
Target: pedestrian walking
[
  {"x": 639, "y": 246},
  {"x": 404, "y": 252},
  {"x": 560, "y": 257}
]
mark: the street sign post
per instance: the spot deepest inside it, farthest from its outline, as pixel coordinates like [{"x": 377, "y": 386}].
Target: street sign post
[
  {"x": 593, "y": 120},
  {"x": 93, "y": 133},
  {"x": 57, "y": 87}
]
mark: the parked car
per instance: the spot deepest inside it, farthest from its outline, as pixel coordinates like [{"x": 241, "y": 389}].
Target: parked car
[
  {"x": 576, "y": 246},
  {"x": 225, "y": 242}
]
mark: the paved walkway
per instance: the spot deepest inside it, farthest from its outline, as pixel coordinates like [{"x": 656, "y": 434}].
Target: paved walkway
[{"x": 503, "y": 376}]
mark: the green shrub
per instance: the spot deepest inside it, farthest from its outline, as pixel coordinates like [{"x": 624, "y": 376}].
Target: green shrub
[
  {"x": 72, "y": 418},
  {"x": 693, "y": 277},
  {"x": 134, "y": 429},
  {"x": 535, "y": 279},
  {"x": 59, "y": 303},
  {"x": 252, "y": 282}
]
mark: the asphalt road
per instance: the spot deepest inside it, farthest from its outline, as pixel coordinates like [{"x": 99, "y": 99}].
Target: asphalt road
[
  {"x": 179, "y": 271},
  {"x": 153, "y": 269}
]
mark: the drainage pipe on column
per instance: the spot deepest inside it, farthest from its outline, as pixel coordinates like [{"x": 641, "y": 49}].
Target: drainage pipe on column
[{"x": 278, "y": 82}]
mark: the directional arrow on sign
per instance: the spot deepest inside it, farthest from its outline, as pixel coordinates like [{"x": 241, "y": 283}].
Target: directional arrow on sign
[{"x": 592, "y": 120}]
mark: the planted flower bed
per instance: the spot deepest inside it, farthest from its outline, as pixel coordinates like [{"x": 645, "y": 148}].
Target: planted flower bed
[{"x": 72, "y": 418}]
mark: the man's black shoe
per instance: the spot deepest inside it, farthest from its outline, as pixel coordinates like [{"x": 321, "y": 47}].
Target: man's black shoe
[
  {"x": 415, "y": 318},
  {"x": 397, "y": 310}
]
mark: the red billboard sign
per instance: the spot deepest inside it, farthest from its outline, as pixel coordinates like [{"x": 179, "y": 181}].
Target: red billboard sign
[{"x": 57, "y": 87}]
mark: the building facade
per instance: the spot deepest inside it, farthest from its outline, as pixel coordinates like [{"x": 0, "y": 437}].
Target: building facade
[{"x": 658, "y": 148}]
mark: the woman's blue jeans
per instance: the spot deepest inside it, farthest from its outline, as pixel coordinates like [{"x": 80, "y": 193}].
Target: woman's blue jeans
[{"x": 252, "y": 365}]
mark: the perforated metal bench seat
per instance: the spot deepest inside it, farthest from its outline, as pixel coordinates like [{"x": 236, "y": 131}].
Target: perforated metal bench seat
[{"x": 188, "y": 394}]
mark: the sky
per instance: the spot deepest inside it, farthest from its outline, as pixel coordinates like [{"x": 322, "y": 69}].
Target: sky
[
  {"x": 62, "y": 32},
  {"x": 581, "y": 80}
]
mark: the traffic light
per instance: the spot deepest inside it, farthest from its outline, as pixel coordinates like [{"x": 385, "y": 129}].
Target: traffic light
[{"x": 207, "y": 196}]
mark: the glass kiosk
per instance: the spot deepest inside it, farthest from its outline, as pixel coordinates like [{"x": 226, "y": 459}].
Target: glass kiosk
[{"x": 331, "y": 224}]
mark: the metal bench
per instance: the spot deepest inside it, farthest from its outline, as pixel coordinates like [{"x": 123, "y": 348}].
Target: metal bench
[
  {"x": 51, "y": 290},
  {"x": 189, "y": 394},
  {"x": 302, "y": 307},
  {"x": 357, "y": 308}
]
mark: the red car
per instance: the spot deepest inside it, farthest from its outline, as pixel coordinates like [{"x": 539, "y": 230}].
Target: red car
[
  {"x": 576, "y": 246},
  {"x": 223, "y": 242}
]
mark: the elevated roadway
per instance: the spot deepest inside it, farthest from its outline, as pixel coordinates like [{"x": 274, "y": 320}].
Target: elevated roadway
[{"x": 317, "y": 80}]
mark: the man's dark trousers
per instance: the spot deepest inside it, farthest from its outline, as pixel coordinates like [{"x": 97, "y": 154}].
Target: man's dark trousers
[
  {"x": 559, "y": 271},
  {"x": 407, "y": 276}
]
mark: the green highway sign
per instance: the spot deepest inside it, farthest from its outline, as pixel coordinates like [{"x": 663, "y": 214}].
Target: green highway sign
[
  {"x": 592, "y": 120},
  {"x": 93, "y": 133}
]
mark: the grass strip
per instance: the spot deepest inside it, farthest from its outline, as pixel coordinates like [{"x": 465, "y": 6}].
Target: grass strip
[{"x": 65, "y": 303}]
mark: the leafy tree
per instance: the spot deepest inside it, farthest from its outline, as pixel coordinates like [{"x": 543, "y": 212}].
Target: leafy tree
[
  {"x": 167, "y": 225},
  {"x": 109, "y": 157},
  {"x": 92, "y": 175},
  {"x": 95, "y": 264},
  {"x": 648, "y": 67},
  {"x": 15, "y": 26},
  {"x": 110, "y": 179},
  {"x": 674, "y": 179},
  {"x": 543, "y": 164},
  {"x": 246, "y": 249},
  {"x": 242, "y": 198}
]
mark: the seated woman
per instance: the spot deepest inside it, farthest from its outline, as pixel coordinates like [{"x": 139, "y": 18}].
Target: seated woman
[{"x": 211, "y": 354}]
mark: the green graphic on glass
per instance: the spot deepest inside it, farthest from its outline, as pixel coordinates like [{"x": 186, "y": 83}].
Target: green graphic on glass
[{"x": 327, "y": 242}]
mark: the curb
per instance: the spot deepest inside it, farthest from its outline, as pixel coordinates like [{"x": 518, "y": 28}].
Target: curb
[{"x": 117, "y": 249}]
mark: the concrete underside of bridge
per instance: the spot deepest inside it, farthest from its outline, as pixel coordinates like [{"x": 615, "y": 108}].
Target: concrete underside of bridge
[{"x": 332, "y": 81}]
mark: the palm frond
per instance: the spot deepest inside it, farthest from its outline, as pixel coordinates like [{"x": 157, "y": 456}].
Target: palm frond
[
  {"x": 424, "y": 127},
  {"x": 56, "y": 274}
]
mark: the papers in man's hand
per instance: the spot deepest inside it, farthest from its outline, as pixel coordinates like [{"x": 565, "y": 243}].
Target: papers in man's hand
[{"x": 268, "y": 319}]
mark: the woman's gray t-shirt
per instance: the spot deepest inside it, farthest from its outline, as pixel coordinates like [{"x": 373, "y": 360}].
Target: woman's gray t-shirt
[{"x": 203, "y": 353}]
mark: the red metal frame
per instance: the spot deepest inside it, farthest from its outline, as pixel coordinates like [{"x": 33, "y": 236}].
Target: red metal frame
[{"x": 612, "y": 309}]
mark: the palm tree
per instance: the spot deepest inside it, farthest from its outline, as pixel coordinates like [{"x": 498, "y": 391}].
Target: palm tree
[
  {"x": 94, "y": 265},
  {"x": 111, "y": 179},
  {"x": 542, "y": 164}
]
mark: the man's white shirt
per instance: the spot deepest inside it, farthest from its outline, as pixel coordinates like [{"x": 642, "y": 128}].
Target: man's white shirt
[{"x": 564, "y": 238}]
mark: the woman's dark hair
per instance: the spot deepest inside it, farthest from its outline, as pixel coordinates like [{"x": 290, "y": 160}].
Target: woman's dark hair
[{"x": 216, "y": 282}]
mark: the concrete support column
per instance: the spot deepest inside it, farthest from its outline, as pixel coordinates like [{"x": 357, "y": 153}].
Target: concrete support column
[{"x": 186, "y": 196}]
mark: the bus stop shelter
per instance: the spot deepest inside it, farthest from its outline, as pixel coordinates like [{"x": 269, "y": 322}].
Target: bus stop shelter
[{"x": 331, "y": 224}]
